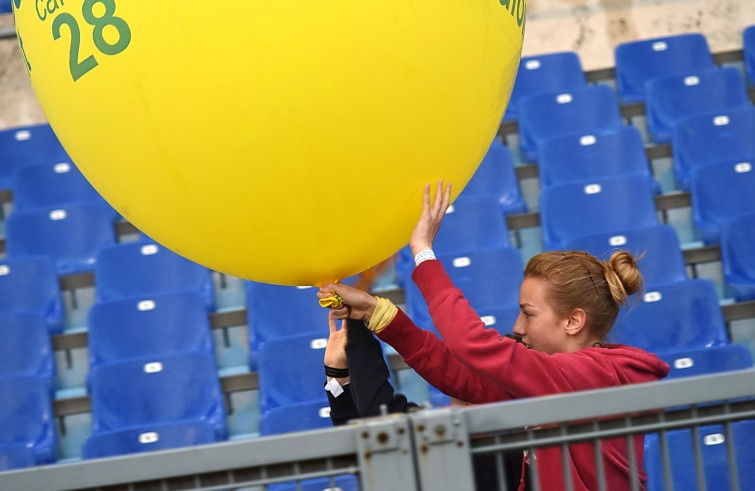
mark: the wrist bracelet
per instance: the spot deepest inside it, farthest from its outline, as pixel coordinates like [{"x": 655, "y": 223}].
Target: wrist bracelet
[
  {"x": 336, "y": 372},
  {"x": 423, "y": 255}
]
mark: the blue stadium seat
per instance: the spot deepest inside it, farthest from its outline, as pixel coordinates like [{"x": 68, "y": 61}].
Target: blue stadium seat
[
  {"x": 5, "y": 7},
  {"x": 339, "y": 483},
  {"x": 472, "y": 222},
  {"x": 26, "y": 145},
  {"x": 51, "y": 184},
  {"x": 72, "y": 235},
  {"x": 158, "y": 325},
  {"x": 738, "y": 256},
  {"x": 577, "y": 157},
  {"x": 489, "y": 278},
  {"x": 142, "y": 268},
  {"x": 25, "y": 346},
  {"x": 639, "y": 61},
  {"x": 291, "y": 370},
  {"x": 15, "y": 456},
  {"x": 304, "y": 416},
  {"x": 662, "y": 260},
  {"x": 502, "y": 320},
  {"x": 608, "y": 204},
  {"x": 176, "y": 388},
  {"x": 711, "y": 137},
  {"x": 30, "y": 284},
  {"x": 496, "y": 177},
  {"x": 26, "y": 416},
  {"x": 703, "y": 361},
  {"x": 275, "y": 311},
  {"x": 713, "y": 444},
  {"x": 672, "y": 98},
  {"x": 748, "y": 38},
  {"x": 719, "y": 192},
  {"x": 148, "y": 438},
  {"x": 545, "y": 73},
  {"x": 674, "y": 316},
  {"x": 581, "y": 110}
]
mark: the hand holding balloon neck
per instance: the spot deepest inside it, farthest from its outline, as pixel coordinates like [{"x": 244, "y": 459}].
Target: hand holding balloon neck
[
  {"x": 354, "y": 303},
  {"x": 432, "y": 215}
]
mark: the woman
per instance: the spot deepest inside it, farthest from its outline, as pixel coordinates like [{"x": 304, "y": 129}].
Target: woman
[{"x": 569, "y": 302}]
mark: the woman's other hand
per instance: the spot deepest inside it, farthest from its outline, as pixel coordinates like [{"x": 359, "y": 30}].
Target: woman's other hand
[{"x": 432, "y": 215}]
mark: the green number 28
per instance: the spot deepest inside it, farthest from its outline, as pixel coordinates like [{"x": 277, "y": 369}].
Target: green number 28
[{"x": 81, "y": 67}]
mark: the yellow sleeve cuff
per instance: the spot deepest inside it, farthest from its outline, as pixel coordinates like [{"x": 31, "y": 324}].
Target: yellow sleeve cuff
[{"x": 384, "y": 313}]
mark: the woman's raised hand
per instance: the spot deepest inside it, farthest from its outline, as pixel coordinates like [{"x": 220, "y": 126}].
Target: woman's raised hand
[{"x": 432, "y": 215}]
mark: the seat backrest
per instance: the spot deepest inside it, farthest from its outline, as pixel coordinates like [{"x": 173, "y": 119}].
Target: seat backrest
[
  {"x": 545, "y": 73},
  {"x": 26, "y": 416},
  {"x": 154, "y": 390},
  {"x": 488, "y": 278},
  {"x": 613, "y": 152},
  {"x": 715, "y": 359},
  {"x": 51, "y": 184},
  {"x": 579, "y": 110},
  {"x": 641, "y": 60},
  {"x": 604, "y": 205},
  {"x": 658, "y": 248},
  {"x": 296, "y": 417},
  {"x": 748, "y": 38},
  {"x": 27, "y": 145},
  {"x": 156, "y": 325},
  {"x": 472, "y": 222},
  {"x": 738, "y": 256},
  {"x": 72, "y": 235},
  {"x": 30, "y": 284},
  {"x": 25, "y": 346},
  {"x": 674, "y": 316},
  {"x": 715, "y": 458},
  {"x": 672, "y": 98},
  {"x": 276, "y": 311},
  {"x": 345, "y": 482},
  {"x": 15, "y": 456},
  {"x": 711, "y": 137},
  {"x": 719, "y": 192},
  {"x": 496, "y": 177},
  {"x": 148, "y": 438},
  {"x": 142, "y": 268},
  {"x": 290, "y": 371}
]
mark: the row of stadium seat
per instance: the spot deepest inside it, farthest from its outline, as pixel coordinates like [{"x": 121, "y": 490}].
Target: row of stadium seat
[{"x": 278, "y": 405}]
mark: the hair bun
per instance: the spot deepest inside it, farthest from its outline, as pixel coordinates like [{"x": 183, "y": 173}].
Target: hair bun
[{"x": 623, "y": 276}]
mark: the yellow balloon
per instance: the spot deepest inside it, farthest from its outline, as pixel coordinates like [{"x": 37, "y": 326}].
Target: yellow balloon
[{"x": 282, "y": 141}]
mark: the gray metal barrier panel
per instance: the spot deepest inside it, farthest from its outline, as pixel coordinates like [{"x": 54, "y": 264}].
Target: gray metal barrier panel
[{"x": 429, "y": 450}]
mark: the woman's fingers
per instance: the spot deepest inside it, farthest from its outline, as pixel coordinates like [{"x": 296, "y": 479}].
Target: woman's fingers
[{"x": 332, "y": 322}]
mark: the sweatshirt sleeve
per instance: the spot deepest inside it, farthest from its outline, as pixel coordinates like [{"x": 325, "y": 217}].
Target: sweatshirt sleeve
[
  {"x": 342, "y": 408},
  {"x": 368, "y": 373},
  {"x": 431, "y": 359},
  {"x": 501, "y": 361}
]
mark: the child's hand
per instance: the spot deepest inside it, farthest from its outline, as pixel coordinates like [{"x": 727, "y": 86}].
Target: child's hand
[{"x": 335, "y": 351}]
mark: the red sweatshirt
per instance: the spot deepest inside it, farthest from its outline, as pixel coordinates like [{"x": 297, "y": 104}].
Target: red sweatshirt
[{"x": 478, "y": 365}]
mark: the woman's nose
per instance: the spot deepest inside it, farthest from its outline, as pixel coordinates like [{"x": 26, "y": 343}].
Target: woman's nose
[{"x": 519, "y": 326}]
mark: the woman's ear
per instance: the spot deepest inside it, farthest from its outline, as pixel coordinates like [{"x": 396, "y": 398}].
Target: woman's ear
[{"x": 576, "y": 321}]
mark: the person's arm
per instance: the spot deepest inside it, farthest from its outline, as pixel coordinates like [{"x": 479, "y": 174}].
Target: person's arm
[
  {"x": 338, "y": 390},
  {"x": 370, "y": 387},
  {"x": 503, "y": 361},
  {"x": 422, "y": 350}
]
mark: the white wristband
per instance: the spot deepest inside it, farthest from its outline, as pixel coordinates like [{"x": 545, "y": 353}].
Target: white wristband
[
  {"x": 423, "y": 256},
  {"x": 334, "y": 387}
]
